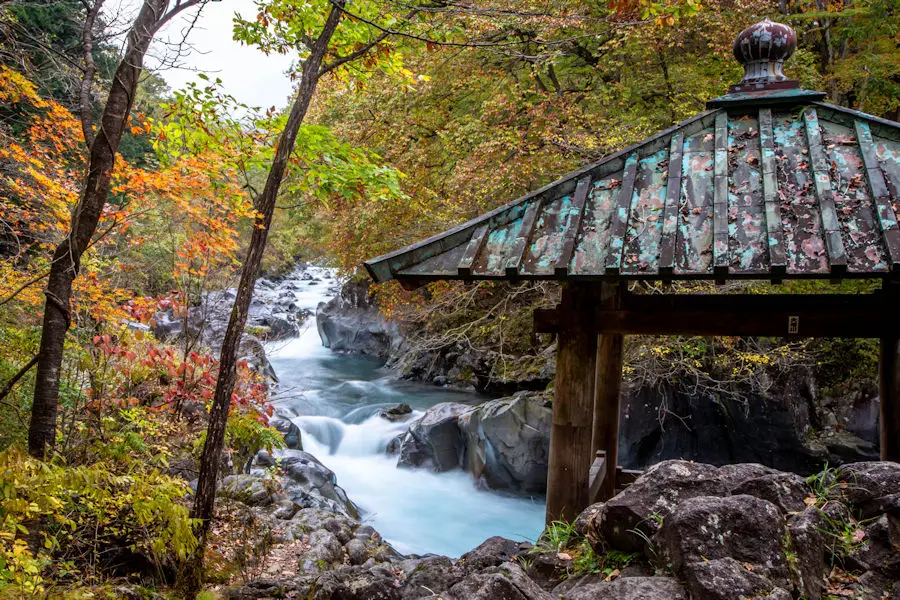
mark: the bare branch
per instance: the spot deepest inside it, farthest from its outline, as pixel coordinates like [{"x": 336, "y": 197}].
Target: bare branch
[
  {"x": 87, "y": 79},
  {"x": 15, "y": 379}
]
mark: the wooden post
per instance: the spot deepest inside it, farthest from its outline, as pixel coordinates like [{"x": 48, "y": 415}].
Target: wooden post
[
  {"x": 889, "y": 382},
  {"x": 570, "y": 434},
  {"x": 889, "y": 392},
  {"x": 607, "y": 389}
]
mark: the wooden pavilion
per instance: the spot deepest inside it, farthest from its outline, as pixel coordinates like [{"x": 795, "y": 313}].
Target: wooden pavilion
[{"x": 769, "y": 183}]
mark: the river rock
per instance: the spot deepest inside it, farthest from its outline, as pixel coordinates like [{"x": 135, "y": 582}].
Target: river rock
[
  {"x": 398, "y": 412},
  {"x": 351, "y": 322},
  {"x": 505, "y": 582},
  {"x": 434, "y": 441},
  {"x": 358, "y": 583},
  {"x": 310, "y": 484},
  {"x": 630, "y": 588},
  {"x": 649, "y": 500},
  {"x": 726, "y": 579},
  {"x": 744, "y": 528},
  {"x": 430, "y": 575},
  {"x": 324, "y": 552},
  {"x": 492, "y": 552},
  {"x": 868, "y": 481},
  {"x": 787, "y": 491},
  {"x": 508, "y": 442},
  {"x": 808, "y": 543}
]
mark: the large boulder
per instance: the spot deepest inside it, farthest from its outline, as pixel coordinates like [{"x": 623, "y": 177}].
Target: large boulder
[
  {"x": 807, "y": 540},
  {"x": 508, "y": 442},
  {"x": 310, "y": 484},
  {"x": 728, "y": 579},
  {"x": 351, "y": 322},
  {"x": 434, "y": 441},
  {"x": 504, "y": 582},
  {"x": 866, "y": 482},
  {"x": 745, "y": 528},
  {"x": 628, "y": 520}
]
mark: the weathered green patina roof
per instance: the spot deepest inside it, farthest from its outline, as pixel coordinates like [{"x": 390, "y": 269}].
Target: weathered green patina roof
[{"x": 767, "y": 184}]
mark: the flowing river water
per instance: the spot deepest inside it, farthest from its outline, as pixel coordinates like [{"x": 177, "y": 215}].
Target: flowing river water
[{"x": 336, "y": 398}]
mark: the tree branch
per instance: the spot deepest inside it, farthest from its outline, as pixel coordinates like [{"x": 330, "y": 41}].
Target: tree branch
[
  {"x": 87, "y": 79},
  {"x": 15, "y": 379}
]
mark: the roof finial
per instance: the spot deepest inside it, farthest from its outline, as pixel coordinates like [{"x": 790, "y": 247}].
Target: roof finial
[{"x": 762, "y": 49}]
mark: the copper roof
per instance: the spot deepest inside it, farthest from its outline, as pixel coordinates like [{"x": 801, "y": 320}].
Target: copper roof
[{"x": 769, "y": 183}]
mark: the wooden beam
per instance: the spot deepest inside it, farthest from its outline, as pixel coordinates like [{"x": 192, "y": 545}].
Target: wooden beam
[
  {"x": 521, "y": 244},
  {"x": 837, "y": 256},
  {"x": 670, "y": 211},
  {"x": 720, "y": 199},
  {"x": 472, "y": 249},
  {"x": 571, "y": 429},
  {"x": 607, "y": 390},
  {"x": 813, "y": 315},
  {"x": 890, "y": 231},
  {"x": 597, "y": 477},
  {"x": 619, "y": 225},
  {"x": 579, "y": 201},
  {"x": 774, "y": 228}
]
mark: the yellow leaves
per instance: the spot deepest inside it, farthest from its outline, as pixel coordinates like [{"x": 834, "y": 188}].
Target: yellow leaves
[{"x": 16, "y": 88}]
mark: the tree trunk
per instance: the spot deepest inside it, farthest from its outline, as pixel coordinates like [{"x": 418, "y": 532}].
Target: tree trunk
[
  {"x": 86, "y": 216},
  {"x": 191, "y": 572}
]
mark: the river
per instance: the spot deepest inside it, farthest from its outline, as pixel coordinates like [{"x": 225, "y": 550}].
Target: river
[{"x": 336, "y": 398}]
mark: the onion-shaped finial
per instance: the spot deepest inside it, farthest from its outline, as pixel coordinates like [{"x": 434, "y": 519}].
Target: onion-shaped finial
[{"x": 762, "y": 49}]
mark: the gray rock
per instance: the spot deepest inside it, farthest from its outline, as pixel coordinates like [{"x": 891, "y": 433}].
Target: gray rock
[
  {"x": 725, "y": 579},
  {"x": 508, "y": 442},
  {"x": 505, "y": 582},
  {"x": 492, "y": 552},
  {"x": 744, "y": 528},
  {"x": 250, "y": 489},
  {"x": 630, "y": 588},
  {"x": 308, "y": 520},
  {"x": 310, "y": 484},
  {"x": 736, "y": 474},
  {"x": 434, "y": 441},
  {"x": 868, "y": 481},
  {"x": 395, "y": 413},
  {"x": 324, "y": 552},
  {"x": 785, "y": 490},
  {"x": 270, "y": 588},
  {"x": 889, "y": 504},
  {"x": 356, "y": 552},
  {"x": 651, "y": 498},
  {"x": 880, "y": 548},
  {"x": 808, "y": 544},
  {"x": 430, "y": 575},
  {"x": 358, "y": 583},
  {"x": 351, "y": 322},
  {"x": 547, "y": 569}
]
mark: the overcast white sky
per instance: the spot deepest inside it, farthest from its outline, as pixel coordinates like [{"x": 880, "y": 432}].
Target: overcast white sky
[{"x": 246, "y": 73}]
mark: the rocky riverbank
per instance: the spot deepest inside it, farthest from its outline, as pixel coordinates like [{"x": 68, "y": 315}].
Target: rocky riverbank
[
  {"x": 275, "y": 314},
  {"x": 793, "y": 426},
  {"x": 682, "y": 530}
]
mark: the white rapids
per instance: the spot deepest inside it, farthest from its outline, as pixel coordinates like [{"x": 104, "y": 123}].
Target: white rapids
[{"x": 337, "y": 398}]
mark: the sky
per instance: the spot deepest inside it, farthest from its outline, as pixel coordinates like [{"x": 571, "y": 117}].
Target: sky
[{"x": 246, "y": 73}]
